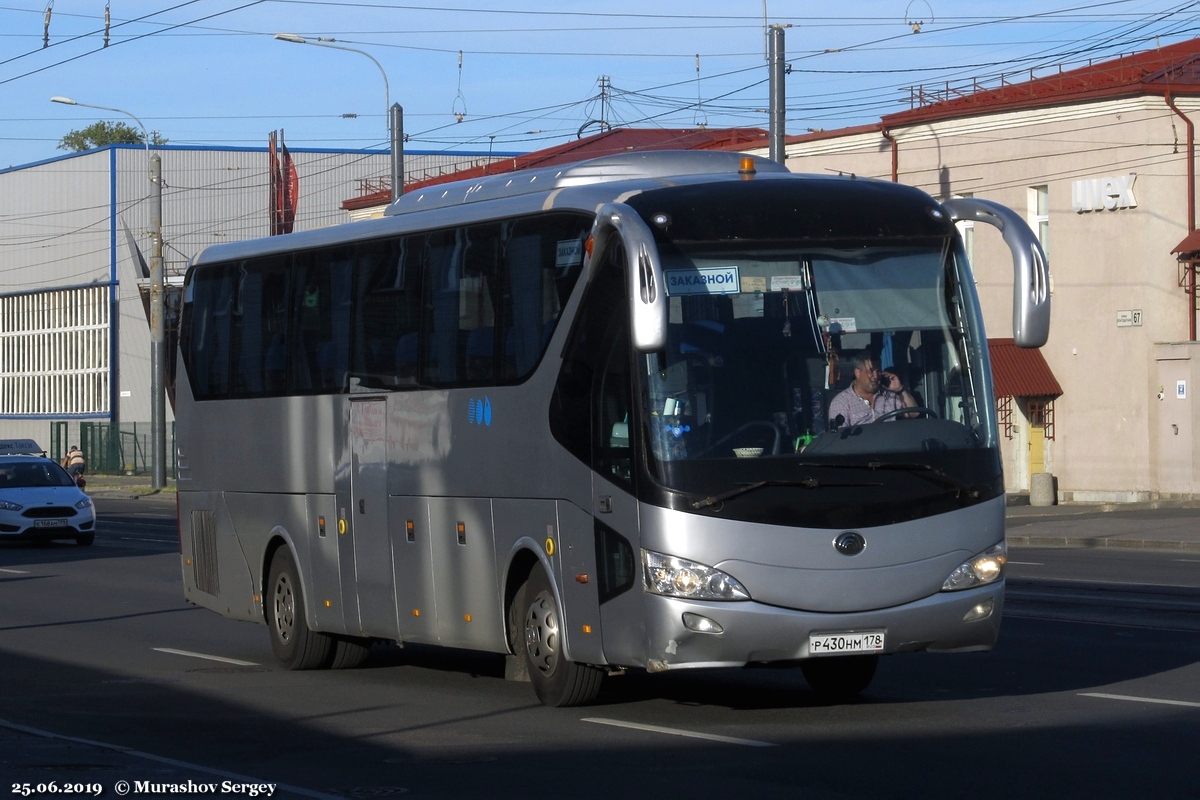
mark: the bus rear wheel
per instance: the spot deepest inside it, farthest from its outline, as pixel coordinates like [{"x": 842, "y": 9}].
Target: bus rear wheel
[
  {"x": 839, "y": 677},
  {"x": 294, "y": 643},
  {"x": 539, "y": 638}
]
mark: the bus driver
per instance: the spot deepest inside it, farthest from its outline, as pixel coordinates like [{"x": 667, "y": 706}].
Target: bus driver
[{"x": 872, "y": 395}]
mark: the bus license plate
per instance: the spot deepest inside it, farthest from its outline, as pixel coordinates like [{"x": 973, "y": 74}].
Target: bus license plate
[
  {"x": 49, "y": 523},
  {"x": 845, "y": 642}
]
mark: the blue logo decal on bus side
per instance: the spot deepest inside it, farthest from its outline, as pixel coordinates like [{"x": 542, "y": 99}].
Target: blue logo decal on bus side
[{"x": 479, "y": 412}]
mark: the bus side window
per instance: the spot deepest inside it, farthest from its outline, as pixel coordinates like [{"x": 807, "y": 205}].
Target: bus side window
[
  {"x": 387, "y": 313},
  {"x": 258, "y": 331},
  {"x": 207, "y": 332},
  {"x": 320, "y": 321}
]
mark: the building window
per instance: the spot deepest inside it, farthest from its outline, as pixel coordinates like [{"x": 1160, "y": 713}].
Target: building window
[
  {"x": 1004, "y": 414},
  {"x": 1039, "y": 212},
  {"x": 1041, "y": 415},
  {"x": 54, "y": 353}
]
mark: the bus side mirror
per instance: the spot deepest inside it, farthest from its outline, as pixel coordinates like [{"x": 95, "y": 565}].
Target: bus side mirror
[
  {"x": 1031, "y": 269},
  {"x": 647, "y": 291}
]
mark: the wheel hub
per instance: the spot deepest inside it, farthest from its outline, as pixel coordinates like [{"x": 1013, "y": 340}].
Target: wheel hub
[
  {"x": 285, "y": 609},
  {"x": 542, "y": 634}
]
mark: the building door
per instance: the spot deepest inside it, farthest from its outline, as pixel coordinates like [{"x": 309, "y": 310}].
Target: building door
[{"x": 1037, "y": 436}]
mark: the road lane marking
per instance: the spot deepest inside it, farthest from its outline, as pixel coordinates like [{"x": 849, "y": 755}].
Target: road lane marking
[
  {"x": 1132, "y": 699},
  {"x": 233, "y": 776},
  {"x": 190, "y": 654},
  {"x": 15, "y": 571},
  {"x": 712, "y": 737}
]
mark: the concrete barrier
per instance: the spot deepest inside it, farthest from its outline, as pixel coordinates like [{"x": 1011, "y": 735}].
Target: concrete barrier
[{"x": 1041, "y": 489}]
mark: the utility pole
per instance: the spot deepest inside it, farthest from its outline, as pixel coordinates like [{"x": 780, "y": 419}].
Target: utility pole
[
  {"x": 396, "y": 127},
  {"x": 158, "y": 362},
  {"x": 778, "y": 110},
  {"x": 605, "y": 85}
]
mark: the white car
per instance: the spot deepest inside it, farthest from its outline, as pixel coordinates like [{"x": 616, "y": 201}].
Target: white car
[{"x": 39, "y": 500}]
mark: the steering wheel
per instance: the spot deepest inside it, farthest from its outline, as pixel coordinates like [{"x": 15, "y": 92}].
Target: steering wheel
[
  {"x": 758, "y": 423},
  {"x": 922, "y": 410}
]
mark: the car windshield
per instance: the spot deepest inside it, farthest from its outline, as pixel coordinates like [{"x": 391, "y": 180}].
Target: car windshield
[
  {"x": 761, "y": 343},
  {"x": 24, "y": 475}
]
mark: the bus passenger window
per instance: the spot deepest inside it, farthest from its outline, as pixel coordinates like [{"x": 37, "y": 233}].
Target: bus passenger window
[
  {"x": 258, "y": 327},
  {"x": 320, "y": 321},
  {"x": 206, "y": 337}
]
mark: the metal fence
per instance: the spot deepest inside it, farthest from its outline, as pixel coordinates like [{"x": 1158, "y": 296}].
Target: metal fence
[{"x": 109, "y": 449}]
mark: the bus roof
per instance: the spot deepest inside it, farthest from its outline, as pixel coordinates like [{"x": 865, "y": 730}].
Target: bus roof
[
  {"x": 583, "y": 186},
  {"x": 648, "y": 165}
]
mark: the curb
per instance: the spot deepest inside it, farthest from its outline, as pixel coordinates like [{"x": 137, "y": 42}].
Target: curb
[
  {"x": 1100, "y": 543},
  {"x": 1023, "y": 511}
]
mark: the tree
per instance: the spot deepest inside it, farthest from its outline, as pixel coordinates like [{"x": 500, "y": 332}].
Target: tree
[{"x": 99, "y": 134}]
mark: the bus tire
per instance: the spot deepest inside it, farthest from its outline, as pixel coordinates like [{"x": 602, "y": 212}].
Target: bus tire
[
  {"x": 839, "y": 677},
  {"x": 556, "y": 681},
  {"x": 293, "y": 642},
  {"x": 349, "y": 652}
]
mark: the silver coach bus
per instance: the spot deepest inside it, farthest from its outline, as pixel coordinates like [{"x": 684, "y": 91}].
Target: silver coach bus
[{"x": 580, "y": 416}]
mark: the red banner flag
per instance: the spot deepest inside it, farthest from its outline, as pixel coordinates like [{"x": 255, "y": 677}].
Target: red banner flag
[
  {"x": 273, "y": 185},
  {"x": 289, "y": 184}
]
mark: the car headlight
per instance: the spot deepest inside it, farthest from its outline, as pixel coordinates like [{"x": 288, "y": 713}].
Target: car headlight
[
  {"x": 678, "y": 577},
  {"x": 84, "y": 503},
  {"x": 8, "y": 505},
  {"x": 987, "y": 567}
]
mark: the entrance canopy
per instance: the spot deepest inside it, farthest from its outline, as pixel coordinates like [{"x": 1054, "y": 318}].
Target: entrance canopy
[{"x": 1020, "y": 371}]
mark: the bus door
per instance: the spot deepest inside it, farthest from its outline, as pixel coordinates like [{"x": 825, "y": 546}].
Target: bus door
[
  {"x": 367, "y": 524},
  {"x": 614, "y": 500}
]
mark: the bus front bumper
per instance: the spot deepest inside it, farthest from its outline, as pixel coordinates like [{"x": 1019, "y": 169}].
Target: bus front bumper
[{"x": 682, "y": 633}]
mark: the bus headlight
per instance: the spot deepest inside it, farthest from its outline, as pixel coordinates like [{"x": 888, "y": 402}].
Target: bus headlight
[
  {"x": 678, "y": 577},
  {"x": 987, "y": 567}
]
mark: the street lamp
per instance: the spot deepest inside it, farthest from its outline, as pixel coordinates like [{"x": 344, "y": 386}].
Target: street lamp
[
  {"x": 393, "y": 113},
  {"x": 158, "y": 405}
]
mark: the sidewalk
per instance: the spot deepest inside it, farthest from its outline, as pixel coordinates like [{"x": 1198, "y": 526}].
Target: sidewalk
[
  {"x": 139, "y": 486},
  {"x": 1171, "y": 525}
]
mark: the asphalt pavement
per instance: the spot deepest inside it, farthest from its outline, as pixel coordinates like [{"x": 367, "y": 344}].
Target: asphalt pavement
[{"x": 32, "y": 755}]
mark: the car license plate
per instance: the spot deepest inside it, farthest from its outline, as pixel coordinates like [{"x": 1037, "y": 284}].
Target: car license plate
[
  {"x": 845, "y": 642},
  {"x": 49, "y": 523}
]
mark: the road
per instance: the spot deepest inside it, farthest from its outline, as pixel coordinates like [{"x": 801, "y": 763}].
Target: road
[{"x": 107, "y": 675}]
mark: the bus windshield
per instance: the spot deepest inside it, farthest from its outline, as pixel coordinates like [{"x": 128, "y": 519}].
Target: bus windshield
[{"x": 762, "y": 341}]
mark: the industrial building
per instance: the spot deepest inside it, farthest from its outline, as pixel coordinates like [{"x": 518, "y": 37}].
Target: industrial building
[{"x": 75, "y": 232}]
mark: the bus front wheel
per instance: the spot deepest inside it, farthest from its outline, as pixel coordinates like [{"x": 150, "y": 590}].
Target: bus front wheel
[
  {"x": 294, "y": 643},
  {"x": 839, "y": 677},
  {"x": 539, "y": 638}
]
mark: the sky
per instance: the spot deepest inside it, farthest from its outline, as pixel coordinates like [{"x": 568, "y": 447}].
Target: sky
[{"x": 520, "y": 75}]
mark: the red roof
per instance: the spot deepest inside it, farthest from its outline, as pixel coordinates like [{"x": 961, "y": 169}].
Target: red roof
[
  {"x": 1020, "y": 371},
  {"x": 1174, "y": 69},
  {"x": 617, "y": 140},
  {"x": 1189, "y": 245}
]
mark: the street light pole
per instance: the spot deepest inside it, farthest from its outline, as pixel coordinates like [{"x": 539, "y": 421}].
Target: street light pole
[
  {"x": 393, "y": 114},
  {"x": 158, "y": 405}
]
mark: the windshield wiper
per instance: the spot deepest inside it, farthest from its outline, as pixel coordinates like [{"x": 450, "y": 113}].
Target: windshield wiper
[
  {"x": 805, "y": 483},
  {"x": 930, "y": 473}
]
